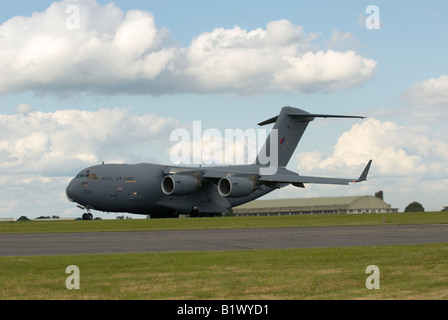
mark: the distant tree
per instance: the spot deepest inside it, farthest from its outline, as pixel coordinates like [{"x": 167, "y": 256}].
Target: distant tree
[
  {"x": 43, "y": 217},
  {"x": 55, "y": 217},
  {"x": 230, "y": 213},
  {"x": 23, "y": 218},
  {"x": 414, "y": 207}
]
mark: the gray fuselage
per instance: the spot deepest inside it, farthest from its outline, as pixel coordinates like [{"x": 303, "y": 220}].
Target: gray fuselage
[{"x": 136, "y": 188}]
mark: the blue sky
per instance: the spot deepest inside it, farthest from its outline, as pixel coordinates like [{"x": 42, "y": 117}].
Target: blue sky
[{"x": 73, "y": 98}]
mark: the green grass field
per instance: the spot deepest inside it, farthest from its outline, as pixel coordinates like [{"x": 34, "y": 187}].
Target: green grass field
[
  {"x": 224, "y": 223},
  {"x": 406, "y": 272}
]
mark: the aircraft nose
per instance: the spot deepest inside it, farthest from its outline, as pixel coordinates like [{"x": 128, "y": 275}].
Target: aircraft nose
[{"x": 70, "y": 192}]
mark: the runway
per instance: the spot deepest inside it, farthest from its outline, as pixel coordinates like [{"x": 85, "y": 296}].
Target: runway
[{"x": 207, "y": 240}]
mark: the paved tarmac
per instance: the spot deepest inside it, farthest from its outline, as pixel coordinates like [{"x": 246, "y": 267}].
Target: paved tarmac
[{"x": 206, "y": 240}]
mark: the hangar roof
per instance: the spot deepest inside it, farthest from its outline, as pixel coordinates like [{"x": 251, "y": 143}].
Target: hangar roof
[{"x": 351, "y": 202}]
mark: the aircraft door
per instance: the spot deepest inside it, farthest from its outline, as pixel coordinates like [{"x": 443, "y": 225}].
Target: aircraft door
[
  {"x": 119, "y": 196},
  {"x": 117, "y": 199}
]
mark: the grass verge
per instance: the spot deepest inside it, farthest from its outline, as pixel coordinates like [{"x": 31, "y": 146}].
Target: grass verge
[
  {"x": 224, "y": 223},
  {"x": 406, "y": 272}
]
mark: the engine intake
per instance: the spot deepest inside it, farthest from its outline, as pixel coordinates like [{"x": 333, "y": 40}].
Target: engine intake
[
  {"x": 179, "y": 185},
  {"x": 236, "y": 187}
]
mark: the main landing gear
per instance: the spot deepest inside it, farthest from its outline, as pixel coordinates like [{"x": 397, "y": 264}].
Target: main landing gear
[{"x": 196, "y": 214}]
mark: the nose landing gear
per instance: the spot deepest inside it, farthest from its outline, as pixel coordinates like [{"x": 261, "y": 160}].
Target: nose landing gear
[{"x": 87, "y": 215}]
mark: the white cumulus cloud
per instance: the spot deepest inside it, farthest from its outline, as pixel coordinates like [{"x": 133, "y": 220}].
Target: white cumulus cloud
[
  {"x": 397, "y": 151},
  {"x": 426, "y": 102},
  {"x": 429, "y": 93},
  {"x": 80, "y": 45},
  {"x": 409, "y": 160},
  {"x": 63, "y": 142}
]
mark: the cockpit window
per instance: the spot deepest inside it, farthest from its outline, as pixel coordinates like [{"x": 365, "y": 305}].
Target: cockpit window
[{"x": 91, "y": 176}]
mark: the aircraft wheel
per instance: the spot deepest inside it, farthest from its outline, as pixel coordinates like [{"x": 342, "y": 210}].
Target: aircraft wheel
[
  {"x": 87, "y": 216},
  {"x": 194, "y": 213}
]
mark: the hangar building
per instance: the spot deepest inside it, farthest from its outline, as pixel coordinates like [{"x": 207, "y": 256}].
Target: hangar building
[{"x": 330, "y": 205}]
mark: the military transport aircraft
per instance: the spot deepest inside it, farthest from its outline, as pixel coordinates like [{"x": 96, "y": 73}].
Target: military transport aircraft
[{"x": 165, "y": 191}]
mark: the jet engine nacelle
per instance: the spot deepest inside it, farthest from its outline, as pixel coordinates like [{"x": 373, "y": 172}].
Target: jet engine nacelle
[
  {"x": 235, "y": 187},
  {"x": 178, "y": 185}
]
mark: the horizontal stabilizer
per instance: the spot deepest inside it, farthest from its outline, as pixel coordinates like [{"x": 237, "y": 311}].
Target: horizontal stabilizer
[
  {"x": 310, "y": 115},
  {"x": 269, "y": 121},
  {"x": 300, "y": 114}
]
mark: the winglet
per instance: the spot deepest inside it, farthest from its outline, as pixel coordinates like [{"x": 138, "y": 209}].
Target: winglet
[{"x": 364, "y": 174}]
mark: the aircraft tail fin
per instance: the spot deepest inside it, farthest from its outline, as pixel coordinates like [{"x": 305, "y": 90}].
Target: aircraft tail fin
[{"x": 290, "y": 124}]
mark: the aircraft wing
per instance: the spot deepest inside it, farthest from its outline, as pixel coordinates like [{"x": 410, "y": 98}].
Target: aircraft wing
[
  {"x": 296, "y": 179},
  {"x": 300, "y": 180},
  {"x": 288, "y": 177}
]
